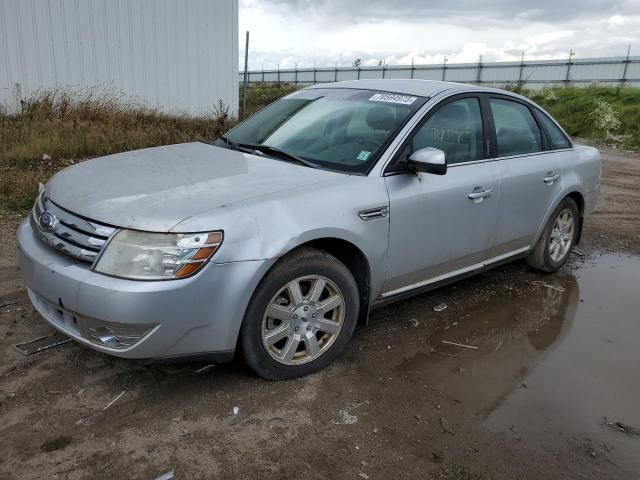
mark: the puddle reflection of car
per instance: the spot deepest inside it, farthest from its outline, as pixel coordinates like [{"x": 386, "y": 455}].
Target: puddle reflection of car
[
  {"x": 514, "y": 335},
  {"x": 275, "y": 239}
]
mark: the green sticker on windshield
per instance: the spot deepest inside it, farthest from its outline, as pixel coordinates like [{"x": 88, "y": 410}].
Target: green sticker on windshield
[{"x": 363, "y": 155}]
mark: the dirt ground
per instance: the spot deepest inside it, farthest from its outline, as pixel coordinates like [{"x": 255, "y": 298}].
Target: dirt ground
[{"x": 550, "y": 392}]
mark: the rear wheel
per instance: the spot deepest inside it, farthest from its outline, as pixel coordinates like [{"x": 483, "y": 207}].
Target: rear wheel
[
  {"x": 558, "y": 238},
  {"x": 301, "y": 316}
]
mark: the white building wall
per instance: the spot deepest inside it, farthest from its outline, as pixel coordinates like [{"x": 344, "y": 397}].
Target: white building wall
[{"x": 179, "y": 55}]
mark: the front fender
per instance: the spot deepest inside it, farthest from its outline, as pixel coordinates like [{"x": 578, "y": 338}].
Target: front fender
[{"x": 272, "y": 226}]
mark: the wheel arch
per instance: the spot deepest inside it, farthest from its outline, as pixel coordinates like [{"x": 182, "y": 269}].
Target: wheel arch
[
  {"x": 577, "y": 197},
  {"x": 355, "y": 260},
  {"x": 348, "y": 253}
]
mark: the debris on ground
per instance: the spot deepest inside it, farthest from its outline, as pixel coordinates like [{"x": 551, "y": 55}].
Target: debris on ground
[
  {"x": 114, "y": 400},
  {"x": 621, "y": 427},
  {"x": 346, "y": 417},
  {"x": 546, "y": 285},
  {"x": 363, "y": 475},
  {"x": 8, "y": 304},
  {"x": 236, "y": 410},
  {"x": 460, "y": 345},
  {"x": 41, "y": 344},
  {"x": 554, "y": 287},
  {"x": 166, "y": 476},
  {"x": 575, "y": 251},
  {"x": 498, "y": 346},
  {"x": 204, "y": 369},
  {"x": 440, "y": 307},
  {"x": 444, "y": 425},
  {"x": 414, "y": 322}
]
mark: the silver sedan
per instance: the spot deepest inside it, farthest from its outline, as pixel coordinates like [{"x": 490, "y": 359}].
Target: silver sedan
[{"x": 276, "y": 239}]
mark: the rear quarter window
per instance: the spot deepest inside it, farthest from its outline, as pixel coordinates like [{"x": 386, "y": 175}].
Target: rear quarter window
[{"x": 557, "y": 139}]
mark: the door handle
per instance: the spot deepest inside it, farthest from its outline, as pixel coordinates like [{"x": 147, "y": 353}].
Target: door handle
[
  {"x": 551, "y": 177},
  {"x": 478, "y": 195}
]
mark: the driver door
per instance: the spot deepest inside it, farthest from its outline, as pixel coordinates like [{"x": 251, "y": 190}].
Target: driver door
[{"x": 443, "y": 225}]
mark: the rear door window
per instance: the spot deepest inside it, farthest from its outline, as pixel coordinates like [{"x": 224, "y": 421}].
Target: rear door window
[
  {"x": 516, "y": 129},
  {"x": 456, "y": 129}
]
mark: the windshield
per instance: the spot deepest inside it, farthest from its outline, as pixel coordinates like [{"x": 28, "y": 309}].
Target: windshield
[{"x": 339, "y": 129}]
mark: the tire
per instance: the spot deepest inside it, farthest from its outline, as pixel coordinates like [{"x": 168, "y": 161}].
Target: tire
[
  {"x": 324, "y": 306},
  {"x": 547, "y": 258}
]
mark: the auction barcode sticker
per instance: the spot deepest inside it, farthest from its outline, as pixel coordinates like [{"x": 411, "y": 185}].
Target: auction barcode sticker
[{"x": 391, "y": 98}]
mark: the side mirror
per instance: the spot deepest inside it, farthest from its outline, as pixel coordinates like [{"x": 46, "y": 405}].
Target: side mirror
[{"x": 428, "y": 160}]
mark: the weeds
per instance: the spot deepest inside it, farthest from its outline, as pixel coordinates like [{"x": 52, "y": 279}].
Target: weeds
[{"x": 57, "y": 128}]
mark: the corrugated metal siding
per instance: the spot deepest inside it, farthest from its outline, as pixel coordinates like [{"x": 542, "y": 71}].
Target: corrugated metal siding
[{"x": 177, "y": 55}]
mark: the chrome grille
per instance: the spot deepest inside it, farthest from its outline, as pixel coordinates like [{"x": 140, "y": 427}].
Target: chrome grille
[{"x": 73, "y": 235}]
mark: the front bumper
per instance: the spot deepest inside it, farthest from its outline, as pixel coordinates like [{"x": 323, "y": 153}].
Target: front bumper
[{"x": 199, "y": 315}]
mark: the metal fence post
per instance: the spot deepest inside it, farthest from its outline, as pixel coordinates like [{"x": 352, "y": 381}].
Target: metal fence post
[
  {"x": 246, "y": 76},
  {"x": 358, "y": 73},
  {"x": 383, "y": 70},
  {"x": 278, "y": 73},
  {"x": 521, "y": 69},
  {"x": 412, "y": 68},
  {"x": 566, "y": 80},
  {"x": 335, "y": 73},
  {"x": 444, "y": 69},
  {"x": 626, "y": 66},
  {"x": 296, "y": 74},
  {"x": 479, "y": 71}
]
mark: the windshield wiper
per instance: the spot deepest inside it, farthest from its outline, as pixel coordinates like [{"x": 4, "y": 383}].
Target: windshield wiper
[
  {"x": 268, "y": 150},
  {"x": 235, "y": 146},
  {"x": 276, "y": 152}
]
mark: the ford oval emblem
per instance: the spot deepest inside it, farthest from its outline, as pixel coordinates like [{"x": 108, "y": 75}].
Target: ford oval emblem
[{"x": 47, "y": 221}]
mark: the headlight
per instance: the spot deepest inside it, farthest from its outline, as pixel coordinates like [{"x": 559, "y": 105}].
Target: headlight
[{"x": 157, "y": 256}]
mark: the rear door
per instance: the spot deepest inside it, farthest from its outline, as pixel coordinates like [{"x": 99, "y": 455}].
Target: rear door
[
  {"x": 441, "y": 226},
  {"x": 529, "y": 173}
]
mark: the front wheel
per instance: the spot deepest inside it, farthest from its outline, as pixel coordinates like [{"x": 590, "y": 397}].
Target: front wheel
[
  {"x": 558, "y": 238},
  {"x": 301, "y": 316}
]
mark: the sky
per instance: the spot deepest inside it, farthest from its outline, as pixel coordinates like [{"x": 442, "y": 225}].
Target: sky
[{"x": 336, "y": 32}]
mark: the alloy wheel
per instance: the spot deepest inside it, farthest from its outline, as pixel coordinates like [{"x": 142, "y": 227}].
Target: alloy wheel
[
  {"x": 303, "y": 320},
  {"x": 562, "y": 235}
]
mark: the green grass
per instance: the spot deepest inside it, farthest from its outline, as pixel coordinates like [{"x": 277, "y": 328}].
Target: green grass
[{"x": 573, "y": 105}]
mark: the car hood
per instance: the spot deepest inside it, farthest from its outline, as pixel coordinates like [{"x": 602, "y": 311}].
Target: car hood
[{"x": 156, "y": 188}]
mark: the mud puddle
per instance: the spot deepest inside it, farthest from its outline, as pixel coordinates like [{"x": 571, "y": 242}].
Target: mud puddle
[{"x": 553, "y": 364}]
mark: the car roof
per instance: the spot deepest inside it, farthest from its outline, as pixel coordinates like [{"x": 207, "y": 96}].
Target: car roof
[{"x": 421, "y": 88}]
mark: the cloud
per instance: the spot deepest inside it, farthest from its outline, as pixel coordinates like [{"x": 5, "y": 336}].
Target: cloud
[
  {"x": 330, "y": 32},
  {"x": 450, "y": 10}
]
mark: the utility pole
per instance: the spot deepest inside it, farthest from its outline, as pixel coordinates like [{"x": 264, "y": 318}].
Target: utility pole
[
  {"x": 246, "y": 76},
  {"x": 412, "y": 67},
  {"x": 444, "y": 68}
]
